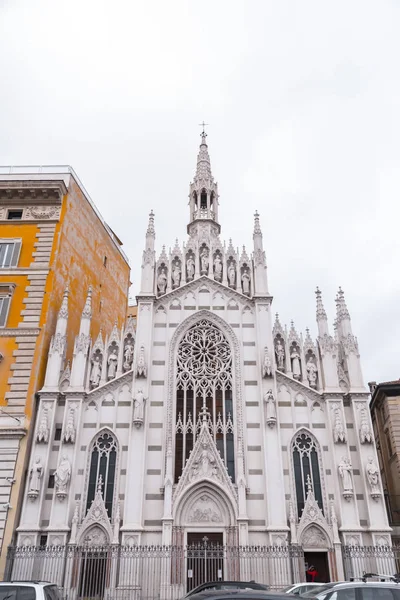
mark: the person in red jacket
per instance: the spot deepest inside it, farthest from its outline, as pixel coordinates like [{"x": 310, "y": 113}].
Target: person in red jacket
[{"x": 312, "y": 573}]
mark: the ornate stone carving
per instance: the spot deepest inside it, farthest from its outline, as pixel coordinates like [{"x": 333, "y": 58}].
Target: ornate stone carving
[
  {"x": 313, "y": 518},
  {"x": 138, "y": 408},
  {"x": 57, "y": 344},
  {"x": 270, "y": 409},
  {"x": 259, "y": 257},
  {"x": 128, "y": 354},
  {"x": 345, "y": 470},
  {"x": 162, "y": 281},
  {"x": 112, "y": 362},
  {"x": 205, "y": 511},
  {"x": 190, "y": 268},
  {"x": 141, "y": 368},
  {"x": 350, "y": 345},
  {"x": 176, "y": 274},
  {"x": 313, "y": 537},
  {"x": 327, "y": 345},
  {"x": 339, "y": 433},
  {"x": 280, "y": 354},
  {"x": 65, "y": 378},
  {"x": 217, "y": 268},
  {"x": 42, "y": 435},
  {"x": 95, "y": 373},
  {"x": 204, "y": 261},
  {"x": 96, "y": 536},
  {"x": 148, "y": 256},
  {"x": 70, "y": 430},
  {"x": 365, "y": 430},
  {"x": 62, "y": 478},
  {"x": 312, "y": 372},
  {"x": 96, "y": 528},
  {"x": 246, "y": 282},
  {"x": 231, "y": 273},
  {"x": 82, "y": 343},
  {"x": 267, "y": 368},
  {"x": 372, "y": 473},
  {"x": 42, "y": 212},
  {"x": 35, "y": 475}
]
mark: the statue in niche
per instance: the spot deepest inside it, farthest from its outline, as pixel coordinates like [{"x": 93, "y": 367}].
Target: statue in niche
[
  {"x": 95, "y": 373},
  {"x": 204, "y": 261},
  {"x": 141, "y": 369},
  {"x": 35, "y": 475},
  {"x": 231, "y": 274},
  {"x": 345, "y": 469},
  {"x": 62, "y": 477},
  {"x": 112, "y": 363},
  {"x": 270, "y": 409},
  {"x": 43, "y": 429},
  {"x": 339, "y": 434},
  {"x": 190, "y": 268},
  {"x": 280, "y": 355},
  {"x": 311, "y": 373},
  {"x": 372, "y": 473},
  {"x": 365, "y": 430},
  {"x": 162, "y": 281},
  {"x": 128, "y": 355},
  {"x": 246, "y": 282},
  {"x": 217, "y": 268},
  {"x": 267, "y": 370},
  {"x": 138, "y": 408},
  {"x": 70, "y": 432},
  {"x": 295, "y": 358},
  {"x": 176, "y": 275}
]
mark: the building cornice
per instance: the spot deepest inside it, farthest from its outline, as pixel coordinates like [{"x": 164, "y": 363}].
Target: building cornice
[
  {"x": 214, "y": 286},
  {"x": 12, "y": 432},
  {"x": 24, "y": 331},
  {"x": 17, "y": 191}
]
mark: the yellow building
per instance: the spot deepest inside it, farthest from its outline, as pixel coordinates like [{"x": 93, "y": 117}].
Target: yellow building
[{"x": 51, "y": 237}]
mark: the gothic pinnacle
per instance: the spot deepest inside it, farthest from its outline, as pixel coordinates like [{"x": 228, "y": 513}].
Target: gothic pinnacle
[
  {"x": 341, "y": 308},
  {"x": 150, "y": 227},
  {"x": 63, "y": 312},
  {"x": 321, "y": 314},
  {"x": 87, "y": 310},
  {"x": 257, "y": 228}
]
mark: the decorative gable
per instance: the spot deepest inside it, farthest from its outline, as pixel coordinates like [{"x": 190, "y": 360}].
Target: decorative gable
[
  {"x": 311, "y": 517},
  {"x": 205, "y": 464},
  {"x": 96, "y": 520}
]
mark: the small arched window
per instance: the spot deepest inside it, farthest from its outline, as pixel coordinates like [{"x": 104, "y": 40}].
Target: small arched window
[
  {"x": 103, "y": 461},
  {"x": 203, "y": 199},
  {"x": 306, "y": 468}
]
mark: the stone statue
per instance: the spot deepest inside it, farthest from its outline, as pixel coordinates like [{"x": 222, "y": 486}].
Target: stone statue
[
  {"x": 365, "y": 430},
  {"x": 112, "y": 363},
  {"x": 204, "y": 261},
  {"x": 95, "y": 373},
  {"x": 138, "y": 408},
  {"x": 43, "y": 429},
  {"x": 246, "y": 282},
  {"x": 372, "y": 473},
  {"x": 35, "y": 475},
  {"x": 62, "y": 478},
  {"x": 231, "y": 274},
  {"x": 70, "y": 432},
  {"x": 311, "y": 373},
  {"x": 190, "y": 268},
  {"x": 267, "y": 370},
  {"x": 345, "y": 469},
  {"x": 280, "y": 355},
  {"x": 217, "y": 268},
  {"x": 162, "y": 281},
  {"x": 176, "y": 275},
  {"x": 270, "y": 408},
  {"x": 295, "y": 358},
  {"x": 339, "y": 434},
  {"x": 141, "y": 369},
  {"x": 128, "y": 355}
]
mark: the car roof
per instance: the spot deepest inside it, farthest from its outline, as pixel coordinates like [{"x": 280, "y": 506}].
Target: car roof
[
  {"x": 238, "y": 593},
  {"x": 26, "y": 582}
]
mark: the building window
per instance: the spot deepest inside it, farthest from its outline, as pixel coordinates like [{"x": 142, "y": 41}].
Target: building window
[
  {"x": 306, "y": 469},
  {"x": 9, "y": 253},
  {"x": 103, "y": 461},
  {"x": 105, "y": 261},
  {"x": 6, "y": 292},
  {"x": 57, "y": 434},
  {"x": 14, "y": 215},
  {"x": 50, "y": 483},
  {"x": 204, "y": 379}
]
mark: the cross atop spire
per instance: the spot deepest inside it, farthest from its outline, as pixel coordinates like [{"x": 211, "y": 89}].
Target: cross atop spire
[{"x": 257, "y": 228}]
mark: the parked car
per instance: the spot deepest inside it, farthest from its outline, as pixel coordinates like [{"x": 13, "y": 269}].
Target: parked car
[
  {"x": 227, "y": 585},
  {"x": 241, "y": 594},
  {"x": 28, "y": 590},
  {"x": 371, "y": 587},
  {"x": 298, "y": 589}
]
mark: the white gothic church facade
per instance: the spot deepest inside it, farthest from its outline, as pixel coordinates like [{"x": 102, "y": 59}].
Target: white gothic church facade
[{"x": 206, "y": 418}]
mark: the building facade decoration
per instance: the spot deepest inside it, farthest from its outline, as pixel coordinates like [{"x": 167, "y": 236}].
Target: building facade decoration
[
  {"x": 366, "y": 436},
  {"x": 43, "y": 431},
  {"x": 372, "y": 472},
  {"x": 204, "y": 416},
  {"x": 35, "y": 476}
]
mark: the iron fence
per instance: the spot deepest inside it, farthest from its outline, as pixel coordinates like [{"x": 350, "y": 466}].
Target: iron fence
[
  {"x": 151, "y": 572},
  {"x": 358, "y": 560}
]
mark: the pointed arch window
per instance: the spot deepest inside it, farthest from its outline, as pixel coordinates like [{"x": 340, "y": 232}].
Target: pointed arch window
[
  {"x": 204, "y": 378},
  {"x": 305, "y": 454},
  {"x": 103, "y": 460}
]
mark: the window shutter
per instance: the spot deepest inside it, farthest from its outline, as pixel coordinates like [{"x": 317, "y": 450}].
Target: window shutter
[
  {"x": 15, "y": 254},
  {"x": 4, "y": 304}
]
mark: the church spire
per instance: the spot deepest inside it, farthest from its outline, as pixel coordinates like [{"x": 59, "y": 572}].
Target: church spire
[
  {"x": 322, "y": 319},
  {"x": 147, "y": 283},
  {"x": 58, "y": 345},
  {"x": 203, "y": 194},
  {"x": 260, "y": 267}
]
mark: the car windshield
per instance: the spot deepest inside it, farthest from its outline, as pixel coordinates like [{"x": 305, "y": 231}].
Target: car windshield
[
  {"x": 318, "y": 589},
  {"x": 287, "y": 589}
]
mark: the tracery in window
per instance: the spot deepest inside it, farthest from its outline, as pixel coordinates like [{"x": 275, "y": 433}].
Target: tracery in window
[
  {"x": 102, "y": 463},
  {"x": 306, "y": 465},
  {"x": 204, "y": 378}
]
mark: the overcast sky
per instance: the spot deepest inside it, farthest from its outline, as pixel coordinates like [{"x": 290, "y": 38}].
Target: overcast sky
[{"x": 303, "y": 102}]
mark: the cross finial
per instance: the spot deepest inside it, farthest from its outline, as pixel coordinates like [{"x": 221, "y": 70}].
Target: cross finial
[{"x": 203, "y": 125}]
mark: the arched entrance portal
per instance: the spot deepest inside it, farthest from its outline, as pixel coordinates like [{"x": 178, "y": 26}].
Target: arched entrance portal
[
  {"x": 205, "y": 520},
  {"x": 317, "y": 554}
]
